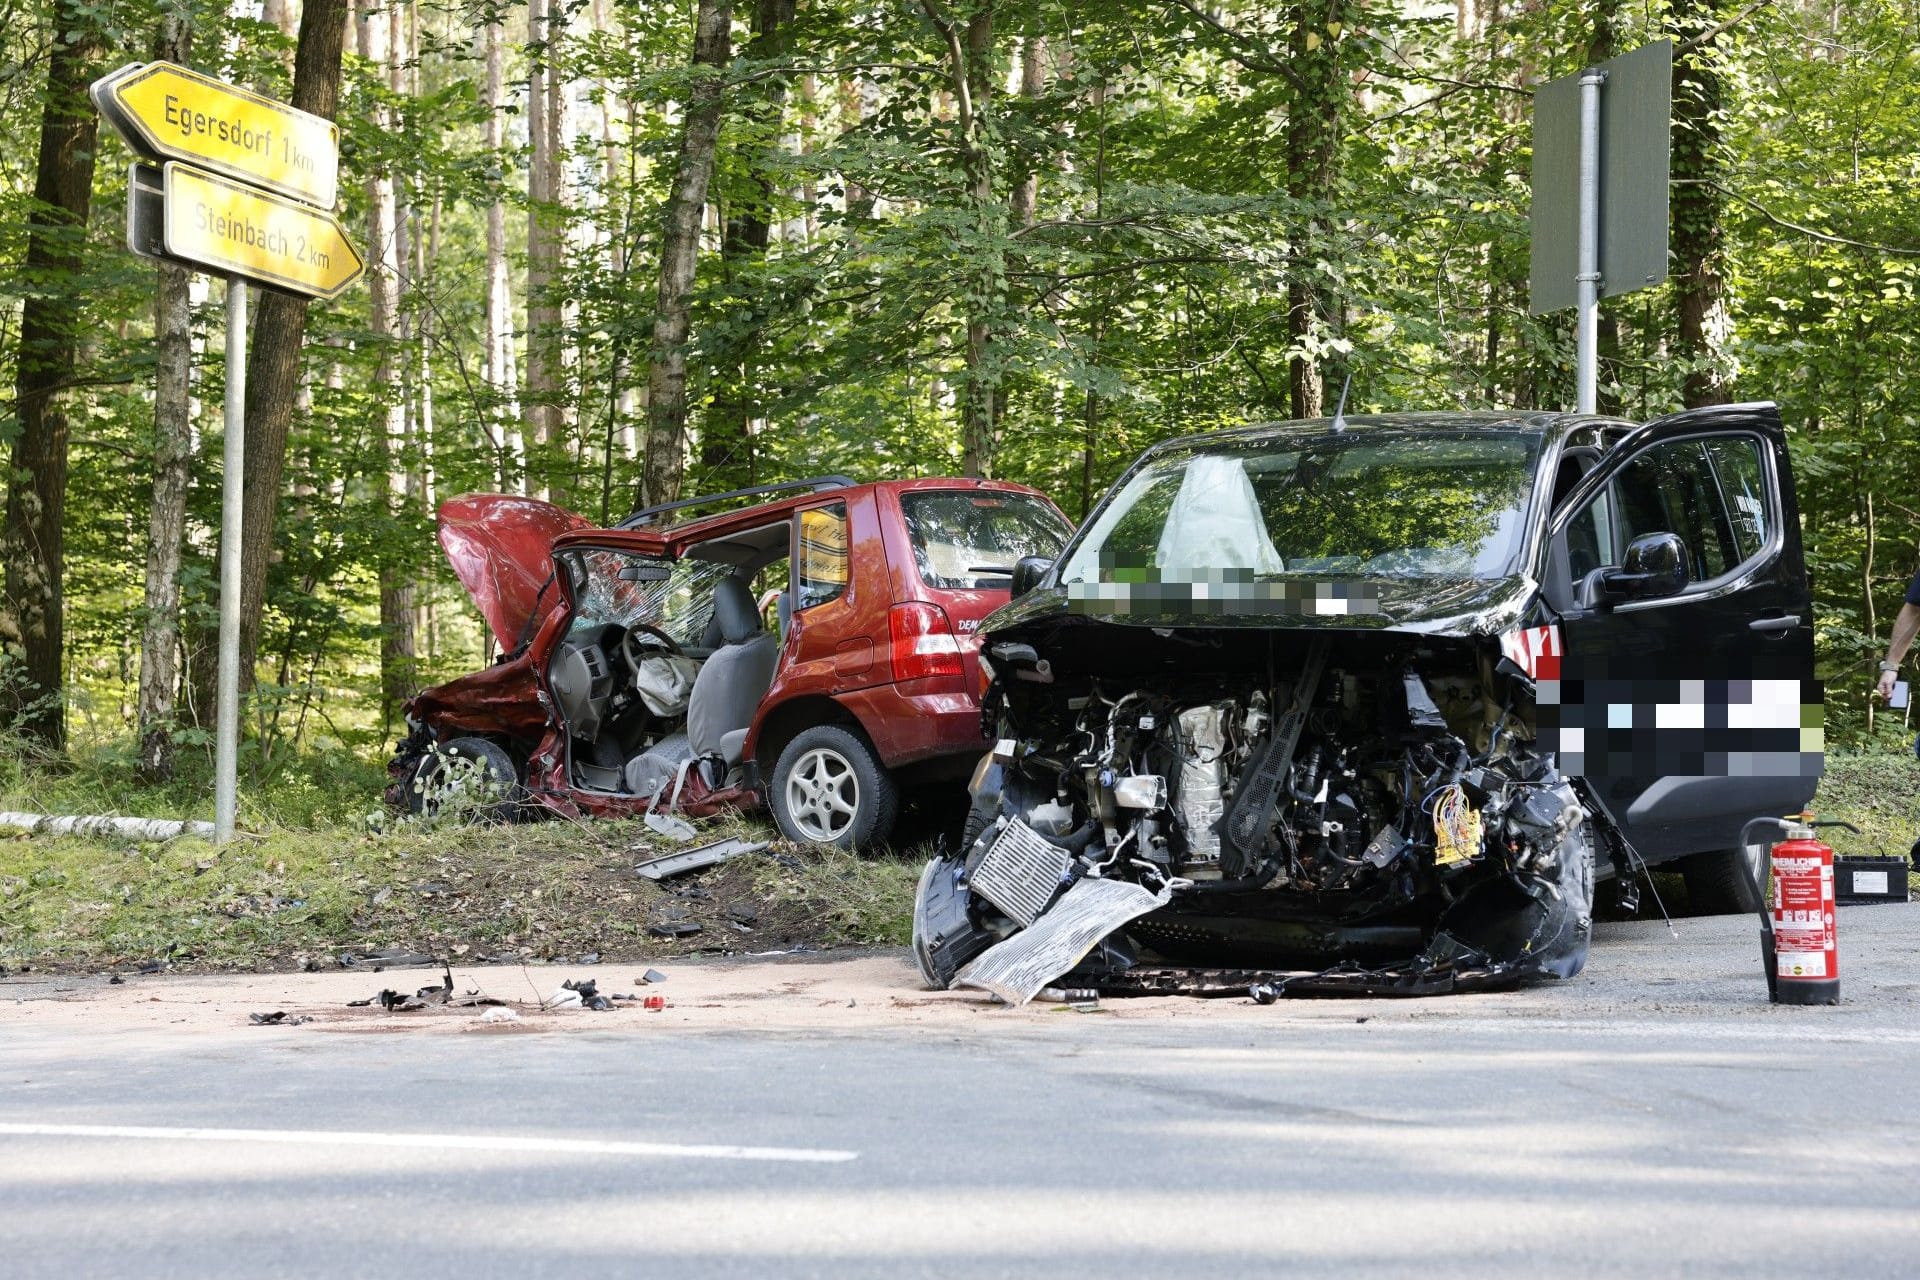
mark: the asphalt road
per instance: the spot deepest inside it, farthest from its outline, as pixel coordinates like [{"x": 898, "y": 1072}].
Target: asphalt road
[{"x": 1654, "y": 1117}]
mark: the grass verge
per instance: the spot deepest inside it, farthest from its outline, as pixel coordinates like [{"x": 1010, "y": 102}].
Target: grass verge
[{"x": 557, "y": 890}]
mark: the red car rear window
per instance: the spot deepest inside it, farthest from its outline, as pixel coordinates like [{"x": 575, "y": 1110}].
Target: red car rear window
[{"x": 964, "y": 539}]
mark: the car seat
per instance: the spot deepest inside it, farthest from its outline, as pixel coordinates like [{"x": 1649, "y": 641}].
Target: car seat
[{"x": 725, "y": 694}]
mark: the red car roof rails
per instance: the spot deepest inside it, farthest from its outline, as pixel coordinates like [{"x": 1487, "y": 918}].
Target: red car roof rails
[{"x": 817, "y": 484}]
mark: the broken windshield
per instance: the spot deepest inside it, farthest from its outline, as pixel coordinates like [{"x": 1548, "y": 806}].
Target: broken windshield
[{"x": 1371, "y": 503}]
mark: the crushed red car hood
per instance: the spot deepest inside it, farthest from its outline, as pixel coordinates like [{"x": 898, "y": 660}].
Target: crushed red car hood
[{"x": 501, "y": 549}]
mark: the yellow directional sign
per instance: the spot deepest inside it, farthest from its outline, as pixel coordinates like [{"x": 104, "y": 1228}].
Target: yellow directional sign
[
  {"x": 231, "y": 228},
  {"x": 167, "y": 112}
]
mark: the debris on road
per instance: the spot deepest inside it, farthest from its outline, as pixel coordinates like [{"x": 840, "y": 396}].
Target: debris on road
[
  {"x": 587, "y": 991},
  {"x": 650, "y": 977},
  {"x": 670, "y": 827},
  {"x": 390, "y": 1000},
  {"x": 391, "y": 958},
  {"x": 500, "y": 1013},
  {"x": 696, "y": 859},
  {"x": 278, "y": 1018}
]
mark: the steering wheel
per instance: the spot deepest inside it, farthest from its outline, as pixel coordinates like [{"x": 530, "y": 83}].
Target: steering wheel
[{"x": 633, "y": 651}]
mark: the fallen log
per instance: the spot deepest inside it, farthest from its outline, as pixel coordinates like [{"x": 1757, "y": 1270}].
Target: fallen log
[{"x": 129, "y": 828}]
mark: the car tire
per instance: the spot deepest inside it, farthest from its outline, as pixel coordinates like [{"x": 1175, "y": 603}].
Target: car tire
[
  {"x": 829, "y": 787},
  {"x": 441, "y": 778},
  {"x": 980, "y": 816},
  {"x": 1718, "y": 883}
]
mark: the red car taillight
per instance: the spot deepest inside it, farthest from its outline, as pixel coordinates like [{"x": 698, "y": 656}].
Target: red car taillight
[{"x": 923, "y": 644}]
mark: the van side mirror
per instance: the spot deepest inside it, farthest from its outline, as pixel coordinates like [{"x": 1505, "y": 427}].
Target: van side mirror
[
  {"x": 1028, "y": 571},
  {"x": 1656, "y": 565}
]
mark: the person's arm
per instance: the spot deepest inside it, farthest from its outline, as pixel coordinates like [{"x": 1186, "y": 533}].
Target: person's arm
[{"x": 1906, "y": 625}]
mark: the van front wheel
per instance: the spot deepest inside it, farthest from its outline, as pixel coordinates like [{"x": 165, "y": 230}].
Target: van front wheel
[{"x": 1718, "y": 882}]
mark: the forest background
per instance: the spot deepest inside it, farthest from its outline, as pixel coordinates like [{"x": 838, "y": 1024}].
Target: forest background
[{"x": 621, "y": 251}]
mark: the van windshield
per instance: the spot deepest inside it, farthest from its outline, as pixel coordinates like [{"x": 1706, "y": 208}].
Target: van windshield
[{"x": 1376, "y": 504}]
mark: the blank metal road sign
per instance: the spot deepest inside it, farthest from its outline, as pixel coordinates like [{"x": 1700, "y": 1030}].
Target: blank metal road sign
[
  {"x": 230, "y": 228},
  {"x": 1636, "y": 105},
  {"x": 167, "y": 112}
]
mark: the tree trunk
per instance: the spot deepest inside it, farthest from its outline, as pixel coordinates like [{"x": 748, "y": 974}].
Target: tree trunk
[
  {"x": 172, "y": 466},
  {"x": 1699, "y": 281},
  {"x": 282, "y": 15},
  {"x": 1090, "y": 427},
  {"x": 615, "y": 224},
  {"x": 1025, "y": 196},
  {"x": 726, "y": 444},
  {"x": 970, "y": 71},
  {"x": 540, "y": 406},
  {"x": 502, "y": 378},
  {"x": 32, "y": 699},
  {"x": 383, "y": 44},
  {"x": 1314, "y": 121},
  {"x": 279, "y": 329},
  {"x": 679, "y": 255}
]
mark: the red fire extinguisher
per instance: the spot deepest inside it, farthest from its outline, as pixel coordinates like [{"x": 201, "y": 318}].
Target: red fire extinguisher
[{"x": 1798, "y": 943}]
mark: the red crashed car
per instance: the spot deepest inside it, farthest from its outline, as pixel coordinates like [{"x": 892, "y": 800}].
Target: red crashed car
[{"x": 814, "y": 651}]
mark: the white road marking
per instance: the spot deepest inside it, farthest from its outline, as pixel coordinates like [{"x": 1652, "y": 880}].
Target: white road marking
[
  {"x": 436, "y": 1142},
  {"x": 1680, "y": 1032}
]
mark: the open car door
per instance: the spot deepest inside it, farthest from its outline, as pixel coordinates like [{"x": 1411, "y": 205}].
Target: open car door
[{"x": 1686, "y": 696}]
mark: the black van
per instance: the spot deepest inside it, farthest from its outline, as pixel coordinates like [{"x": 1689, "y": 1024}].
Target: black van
[{"x": 1371, "y": 702}]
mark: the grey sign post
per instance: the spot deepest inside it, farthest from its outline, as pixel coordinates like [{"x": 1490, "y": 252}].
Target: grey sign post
[{"x": 1599, "y": 220}]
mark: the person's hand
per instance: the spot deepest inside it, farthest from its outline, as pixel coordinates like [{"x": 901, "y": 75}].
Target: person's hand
[{"x": 1885, "y": 687}]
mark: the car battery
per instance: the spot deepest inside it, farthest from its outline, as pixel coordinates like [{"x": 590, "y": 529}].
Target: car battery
[{"x": 1858, "y": 879}]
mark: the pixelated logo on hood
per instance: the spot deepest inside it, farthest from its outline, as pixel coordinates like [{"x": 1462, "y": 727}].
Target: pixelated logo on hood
[{"x": 1213, "y": 593}]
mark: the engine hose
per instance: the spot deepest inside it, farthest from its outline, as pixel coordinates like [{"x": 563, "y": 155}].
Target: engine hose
[
  {"x": 1760, "y": 897},
  {"x": 1075, "y": 841}
]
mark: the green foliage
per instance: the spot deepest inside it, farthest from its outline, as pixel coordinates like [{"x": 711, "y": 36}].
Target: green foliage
[{"x": 1147, "y": 298}]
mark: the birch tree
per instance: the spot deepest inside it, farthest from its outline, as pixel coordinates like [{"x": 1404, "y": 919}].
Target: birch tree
[{"x": 172, "y": 463}]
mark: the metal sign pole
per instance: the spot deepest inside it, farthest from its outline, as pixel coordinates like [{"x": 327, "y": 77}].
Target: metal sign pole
[
  {"x": 226, "y": 746},
  {"x": 1586, "y": 331}
]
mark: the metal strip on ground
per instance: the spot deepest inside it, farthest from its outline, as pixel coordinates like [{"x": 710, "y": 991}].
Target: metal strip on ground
[
  {"x": 436, "y": 1142},
  {"x": 1016, "y": 970}
]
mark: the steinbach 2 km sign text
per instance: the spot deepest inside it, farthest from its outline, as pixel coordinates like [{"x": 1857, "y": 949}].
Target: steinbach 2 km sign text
[{"x": 232, "y": 228}]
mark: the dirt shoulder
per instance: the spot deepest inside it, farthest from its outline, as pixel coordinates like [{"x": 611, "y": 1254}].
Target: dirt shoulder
[{"x": 848, "y": 990}]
